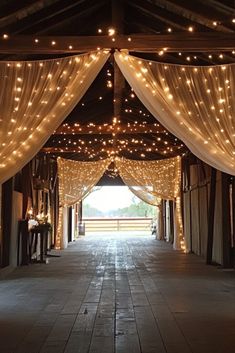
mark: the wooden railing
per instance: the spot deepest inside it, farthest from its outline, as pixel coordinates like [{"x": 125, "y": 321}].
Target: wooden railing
[{"x": 117, "y": 224}]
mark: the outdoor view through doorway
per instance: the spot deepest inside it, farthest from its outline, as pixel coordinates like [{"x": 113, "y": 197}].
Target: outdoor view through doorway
[{"x": 117, "y": 209}]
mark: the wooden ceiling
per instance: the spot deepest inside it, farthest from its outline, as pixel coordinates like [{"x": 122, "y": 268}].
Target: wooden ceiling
[{"x": 110, "y": 120}]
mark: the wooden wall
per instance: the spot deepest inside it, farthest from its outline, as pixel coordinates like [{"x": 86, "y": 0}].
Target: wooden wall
[{"x": 208, "y": 212}]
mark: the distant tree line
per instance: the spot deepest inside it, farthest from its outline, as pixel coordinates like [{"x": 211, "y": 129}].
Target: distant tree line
[{"x": 137, "y": 209}]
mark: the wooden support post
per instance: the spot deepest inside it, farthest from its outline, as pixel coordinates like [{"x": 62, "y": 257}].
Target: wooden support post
[
  {"x": 211, "y": 214},
  {"x": 226, "y": 222},
  {"x": 70, "y": 224},
  {"x": 26, "y": 188},
  {"x": 81, "y": 226},
  {"x": 7, "y": 194},
  {"x": 23, "y": 243},
  {"x": 233, "y": 222}
]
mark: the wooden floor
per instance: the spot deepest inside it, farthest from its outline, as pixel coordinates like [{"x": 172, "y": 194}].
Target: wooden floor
[{"x": 118, "y": 294}]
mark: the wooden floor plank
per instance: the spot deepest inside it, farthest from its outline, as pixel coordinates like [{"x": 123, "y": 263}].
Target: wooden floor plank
[{"x": 118, "y": 294}]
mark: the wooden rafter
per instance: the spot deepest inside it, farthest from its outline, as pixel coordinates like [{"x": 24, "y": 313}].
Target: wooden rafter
[
  {"x": 46, "y": 18},
  {"x": 230, "y": 11},
  {"x": 25, "y": 12},
  {"x": 88, "y": 8},
  {"x": 188, "y": 42},
  {"x": 154, "y": 13},
  {"x": 190, "y": 15}
]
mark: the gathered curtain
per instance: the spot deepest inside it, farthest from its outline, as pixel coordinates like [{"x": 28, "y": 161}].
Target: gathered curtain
[
  {"x": 152, "y": 181},
  {"x": 194, "y": 103},
  {"x": 35, "y": 97},
  {"x": 76, "y": 180}
]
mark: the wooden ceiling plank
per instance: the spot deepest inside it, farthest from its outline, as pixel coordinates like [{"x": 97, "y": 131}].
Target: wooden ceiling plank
[{"x": 186, "y": 42}]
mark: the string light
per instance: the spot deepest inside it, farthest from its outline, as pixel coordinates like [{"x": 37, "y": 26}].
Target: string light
[{"x": 111, "y": 32}]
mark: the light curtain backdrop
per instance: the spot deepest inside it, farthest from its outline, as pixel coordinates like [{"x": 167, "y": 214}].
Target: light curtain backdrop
[
  {"x": 35, "y": 97},
  {"x": 152, "y": 181},
  {"x": 149, "y": 180},
  {"x": 194, "y": 103},
  {"x": 76, "y": 180}
]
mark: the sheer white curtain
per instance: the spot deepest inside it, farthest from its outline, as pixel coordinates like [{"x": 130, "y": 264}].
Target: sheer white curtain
[
  {"x": 194, "y": 103},
  {"x": 152, "y": 181},
  {"x": 35, "y": 97},
  {"x": 76, "y": 180}
]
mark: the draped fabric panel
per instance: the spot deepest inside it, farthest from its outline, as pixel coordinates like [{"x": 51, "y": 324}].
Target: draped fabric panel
[
  {"x": 194, "y": 103},
  {"x": 76, "y": 180},
  {"x": 35, "y": 97},
  {"x": 152, "y": 181}
]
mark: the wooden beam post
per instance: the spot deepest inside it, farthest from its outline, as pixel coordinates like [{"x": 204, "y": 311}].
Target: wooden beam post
[
  {"x": 226, "y": 222},
  {"x": 7, "y": 194},
  {"x": 211, "y": 214}
]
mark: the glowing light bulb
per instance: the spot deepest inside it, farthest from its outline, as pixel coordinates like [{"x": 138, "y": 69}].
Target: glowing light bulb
[{"x": 111, "y": 31}]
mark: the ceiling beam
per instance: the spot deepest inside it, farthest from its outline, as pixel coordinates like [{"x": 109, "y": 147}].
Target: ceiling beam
[
  {"x": 109, "y": 129},
  {"x": 184, "y": 42}
]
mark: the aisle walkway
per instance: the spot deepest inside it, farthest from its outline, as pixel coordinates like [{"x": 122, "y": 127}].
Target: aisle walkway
[{"x": 118, "y": 294}]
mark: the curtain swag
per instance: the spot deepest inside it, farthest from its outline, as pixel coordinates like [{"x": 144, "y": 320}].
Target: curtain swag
[
  {"x": 195, "y": 103},
  {"x": 152, "y": 181},
  {"x": 35, "y": 97}
]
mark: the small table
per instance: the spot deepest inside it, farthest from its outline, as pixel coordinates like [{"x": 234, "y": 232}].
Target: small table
[{"x": 41, "y": 230}]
